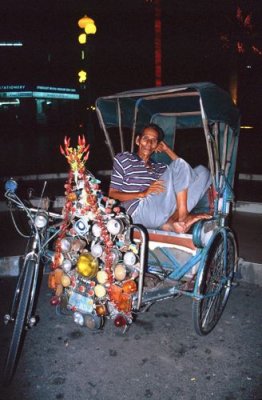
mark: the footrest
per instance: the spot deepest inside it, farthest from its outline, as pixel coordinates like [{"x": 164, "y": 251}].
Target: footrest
[{"x": 171, "y": 238}]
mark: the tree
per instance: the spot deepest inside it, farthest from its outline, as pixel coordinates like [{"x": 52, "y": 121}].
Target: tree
[{"x": 240, "y": 40}]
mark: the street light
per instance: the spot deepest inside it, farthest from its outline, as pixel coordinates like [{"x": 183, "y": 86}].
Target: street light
[
  {"x": 88, "y": 25},
  {"x": 86, "y": 21}
]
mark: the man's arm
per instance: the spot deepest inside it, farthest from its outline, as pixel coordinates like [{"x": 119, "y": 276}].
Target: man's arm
[
  {"x": 164, "y": 148},
  {"x": 123, "y": 196},
  {"x": 155, "y": 187}
]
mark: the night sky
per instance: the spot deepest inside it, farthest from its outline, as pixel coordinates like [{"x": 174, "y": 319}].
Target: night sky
[{"x": 120, "y": 56}]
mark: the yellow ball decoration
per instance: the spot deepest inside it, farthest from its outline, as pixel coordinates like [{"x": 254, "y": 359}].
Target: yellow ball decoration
[
  {"x": 129, "y": 286},
  {"x": 101, "y": 309},
  {"x": 102, "y": 277},
  {"x": 72, "y": 196},
  {"x": 65, "y": 280},
  {"x": 120, "y": 272},
  {"x": 87, "y": 265},
  {"x": 100, "y": 291}
]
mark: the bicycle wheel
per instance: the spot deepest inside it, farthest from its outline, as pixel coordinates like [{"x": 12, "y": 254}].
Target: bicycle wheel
[
  {"x": 214, "y": 282},
  {"x": 22, "y": 302}
]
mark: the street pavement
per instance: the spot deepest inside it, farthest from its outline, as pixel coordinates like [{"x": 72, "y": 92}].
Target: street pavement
[
  {"x": 248, "y": 230},
  {"x": 159, "y": 357},
  {"x": 246, "y": 225}
]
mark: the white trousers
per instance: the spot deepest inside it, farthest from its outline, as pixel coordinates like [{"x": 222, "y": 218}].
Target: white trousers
[{"x": 154, "y": 210}]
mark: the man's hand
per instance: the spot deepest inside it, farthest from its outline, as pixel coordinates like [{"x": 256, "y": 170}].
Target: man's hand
[
  {"x": 155, "y": 187},
  {"x": 164, "y": 148}
]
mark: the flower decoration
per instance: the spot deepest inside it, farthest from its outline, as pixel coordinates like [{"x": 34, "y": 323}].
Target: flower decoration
[{"x": 95, "y": 263}]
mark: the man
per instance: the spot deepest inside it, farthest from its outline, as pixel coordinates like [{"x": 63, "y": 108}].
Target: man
[{"x": 154, "y": 194}]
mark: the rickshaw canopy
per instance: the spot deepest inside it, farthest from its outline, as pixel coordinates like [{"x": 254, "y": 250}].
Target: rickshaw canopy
[
  {"x": 194, "y": 105},
  {"x": 217, "y": 105}
]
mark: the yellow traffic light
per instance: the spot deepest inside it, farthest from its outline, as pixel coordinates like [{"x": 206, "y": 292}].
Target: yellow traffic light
[
  {"x": 90, "y": 28},
  {"x": 88, "y": 24},
  {"x": 82, "y": 76},
  {"x": 82, "y": 38},
  {"x": 84, "y": 21}
]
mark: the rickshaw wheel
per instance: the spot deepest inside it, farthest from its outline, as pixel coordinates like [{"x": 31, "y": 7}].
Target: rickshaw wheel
[{"x": 215, "y": 282}]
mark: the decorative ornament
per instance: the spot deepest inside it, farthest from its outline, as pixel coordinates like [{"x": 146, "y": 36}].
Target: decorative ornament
[
  {"x": 129, "y": 286},
  {"x": 102, "y": 277},
  {"x": 101, "y": 309},
  {"x": 92, "y": 321},
  {"x": 120, "y": 321},
  {"x": 87, "y": 265},
  {"x": 100, "y": 291},
  {"x": 120, "y": 272},
  {"x": 65, "y": 280},
  {"x": 95, "y": 261}
]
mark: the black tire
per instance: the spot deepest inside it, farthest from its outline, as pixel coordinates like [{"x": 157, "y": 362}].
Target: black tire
[
  {"x": 216, "y": 276},
  {"x": 20, "y": 314}
]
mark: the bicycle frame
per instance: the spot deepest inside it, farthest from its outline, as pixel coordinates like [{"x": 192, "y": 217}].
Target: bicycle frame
[
  {"x": 24, "y": 301},
  {"x": 33, "y": 255},
  {"x": 102, "y": 260},
  {"x": 197, "y": 105},
  {"x": 198, "y": 259},
  {"x": 183, "y": 257}
]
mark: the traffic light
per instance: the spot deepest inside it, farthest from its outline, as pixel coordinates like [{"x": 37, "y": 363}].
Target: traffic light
[{"x": 82, "y": 76}]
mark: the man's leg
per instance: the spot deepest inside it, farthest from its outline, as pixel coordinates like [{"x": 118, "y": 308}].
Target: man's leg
[
  {"x": 156, "y": 209},
  {"x": 181, "y": 220},
  {"x": 198, "y": 188}
]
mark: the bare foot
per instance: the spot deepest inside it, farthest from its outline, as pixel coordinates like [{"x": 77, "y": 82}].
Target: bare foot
[
  {"x": 180, "y": 227},
  {"x": 183, "y": 227},
  {"x": 167, "y": 227}
]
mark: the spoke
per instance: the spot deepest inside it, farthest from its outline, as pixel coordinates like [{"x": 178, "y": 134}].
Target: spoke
[{"x": 216, "y": 284}]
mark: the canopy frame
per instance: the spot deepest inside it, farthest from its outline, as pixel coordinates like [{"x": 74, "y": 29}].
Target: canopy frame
[{"x": 199, "y": 104}]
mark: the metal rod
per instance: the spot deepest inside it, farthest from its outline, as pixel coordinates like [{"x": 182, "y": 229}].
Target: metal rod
[
  {"x": 144, "y": 241},
  {"x": 207, "y": 135},
  {"x": 108, "y": 140},
  {"x": 216, "y": 151},
  {"x": 120, "y": 126},
  {"x": 229, "y": 153},
  {"x": 134, "y": 127},
  {"x": 178, "y": 114},
  {"x": 223, "y": 164}
]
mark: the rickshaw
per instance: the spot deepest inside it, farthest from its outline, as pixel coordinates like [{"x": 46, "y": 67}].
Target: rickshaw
[
  {"x": 102, "y": 265},
  {"x": 201, "y": 263}
]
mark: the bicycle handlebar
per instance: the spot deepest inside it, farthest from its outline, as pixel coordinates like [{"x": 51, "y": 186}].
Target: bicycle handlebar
[
  {"x": 15, "y": 200},
  {"x": 49, "y": 213}
]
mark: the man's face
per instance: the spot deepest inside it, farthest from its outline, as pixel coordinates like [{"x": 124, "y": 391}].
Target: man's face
[{"x": 147, "y": 143}]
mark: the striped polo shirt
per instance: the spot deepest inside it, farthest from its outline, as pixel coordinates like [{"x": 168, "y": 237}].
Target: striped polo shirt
[{"x": 130, "y": 175}]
